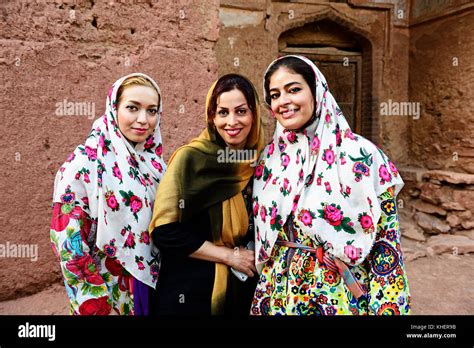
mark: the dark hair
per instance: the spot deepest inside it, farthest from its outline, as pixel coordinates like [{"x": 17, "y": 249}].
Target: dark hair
[
  {"x": 228, "y": 83},
  {"x": 295, "y": 65}
]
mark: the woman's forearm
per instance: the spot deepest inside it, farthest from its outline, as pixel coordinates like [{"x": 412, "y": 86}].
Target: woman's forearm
[{"x": 211, "y": 252}]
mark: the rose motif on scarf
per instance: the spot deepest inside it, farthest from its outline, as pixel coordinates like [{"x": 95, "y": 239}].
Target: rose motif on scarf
[
  {"x": 276, "y": 223},
  {"x": 329, "y": 156},
  {"x": 351, "y": 251},
  {"x": 365, "y": 221},
  {"x": 291, "y": 137},
  {"x": 384, "y": 174},
  {"x": 112, "y": 201},
  {"x": 116, "y": 172},
  {"x": 271, "y": 149},
  {"x": 259, "y": 170},
  {"x": 315, "y": 144},
  {"x": 157, "y": 165},
  {"x": 132, "y": 201},
  {"x": 286, "y": 188},
  {"x": 285, "y": 160},
  {"x": 306, "y": 216},
  {"x": 333, "y": 215}
]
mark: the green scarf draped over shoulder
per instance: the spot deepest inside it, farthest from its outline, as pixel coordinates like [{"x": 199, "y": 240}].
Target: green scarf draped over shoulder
[{"x": 198, "y": 182}]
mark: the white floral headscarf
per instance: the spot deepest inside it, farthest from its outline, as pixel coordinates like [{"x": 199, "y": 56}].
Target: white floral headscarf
[
  {"x": 328, "y": 177},
  {"x": 115, "y": 183}
]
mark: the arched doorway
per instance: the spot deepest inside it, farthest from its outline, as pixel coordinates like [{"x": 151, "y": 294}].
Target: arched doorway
[{"x": 344, "y": 57}]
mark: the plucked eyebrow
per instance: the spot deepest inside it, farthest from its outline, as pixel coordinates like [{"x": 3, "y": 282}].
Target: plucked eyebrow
[
  {"x": 138, "y": 103},
  {"x": 244, "y": 104},
  {"x": 286, "y": 86}
]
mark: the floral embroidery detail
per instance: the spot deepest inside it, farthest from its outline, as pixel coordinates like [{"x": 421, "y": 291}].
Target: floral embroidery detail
[
  {"x": 342, "y": 158},
  {"x": 352, "y": 252},
  {"x": 365, "y": 221},
  {"x": 327, "y": 184},
  {"x": 255, "y": 206},
  {"x": 145, "y": 237},
  {"x": 263, "y": 213},
  {"x": 315, "y": 144},
  {"x": 327, "y": 118},
  {"x": 334, "y": 216},
  {"x": 337, "y": 132},
  {"x": 149, "y": 144},
  {"x": 110, "y": 249},
  {"x": 116, "y": 172},
  {"x": 319, "y": 179},
  {"x": 112, "y": 201},
  {"x": 348, "y": 134},
  {"x": 388, "y": 309},
  {"x": 291, "y": 136},
  {"x": 329, "y": 157},
  {"x": 271, "y": 149},
  {"x": 345, "y": 193},
  {"x": 259, "y": 170},
  {"x": 130, "y": 242},
  {"x": 139, "y": 262},
  {"x": 306, "y": 216},
  {"x": 286, "y": 189},
  {"x": 157, "y": 165},
  {"x": 384, "y": 174},
  {"x": 360, "y": 169},
  {"x": 159, "y": 150},
  {"x": 104, "y": 144},
  {"x": 281, "y": 144},
  {"x": 393, "y": 169},
  {"x": 275, "y": 219},
  {"x": 132, "y": 201},
  {"x": 90, "y": 153},
  {"x": 285, "y": 160},
  {"x": 388, "y": 207}
]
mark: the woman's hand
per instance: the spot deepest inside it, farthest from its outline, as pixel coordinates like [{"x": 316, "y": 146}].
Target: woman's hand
[{"x": 242, "y": 260}]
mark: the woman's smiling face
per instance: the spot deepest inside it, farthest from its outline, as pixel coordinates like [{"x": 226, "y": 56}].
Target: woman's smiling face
[
  {"x": 233, "y": 119},
  {"x": 137, "y": 112},
  {"x": 291, "y": 99}
]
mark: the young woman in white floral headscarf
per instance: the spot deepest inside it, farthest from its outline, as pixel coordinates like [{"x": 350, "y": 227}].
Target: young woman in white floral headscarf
[
  {"x": 103, "y": 203},
  {"x": 327, "y": 232}
]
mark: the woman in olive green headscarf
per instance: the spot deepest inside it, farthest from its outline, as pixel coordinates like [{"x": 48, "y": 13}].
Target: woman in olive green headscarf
[{"x": 201, "y": 216}]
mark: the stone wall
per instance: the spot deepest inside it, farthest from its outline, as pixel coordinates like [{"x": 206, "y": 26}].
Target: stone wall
[
  {"x": 441, "y": 144},
  {"x": 53, "y": 51}
]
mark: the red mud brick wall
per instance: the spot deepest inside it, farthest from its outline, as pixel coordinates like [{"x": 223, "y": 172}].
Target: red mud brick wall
[
  {"x": 74, "y": 50},
  {"x": 442, "y": 80}
]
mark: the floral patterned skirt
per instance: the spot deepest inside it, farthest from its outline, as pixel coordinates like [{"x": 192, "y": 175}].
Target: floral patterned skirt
[
  {"x": 297, "y": 285},
  {"x": 293, "y": 283}
]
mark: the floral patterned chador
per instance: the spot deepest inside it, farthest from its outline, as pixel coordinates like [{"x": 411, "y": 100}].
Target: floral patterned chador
[
  {"x": 102, "y": 205},
  {"x": 332, "y": 193}
]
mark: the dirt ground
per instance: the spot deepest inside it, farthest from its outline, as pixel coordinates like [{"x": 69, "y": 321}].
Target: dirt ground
[{"x": 442, "y": 284}]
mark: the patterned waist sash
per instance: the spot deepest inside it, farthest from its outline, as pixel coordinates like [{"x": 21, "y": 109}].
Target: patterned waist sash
[{"x": 334, "y": 265}]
